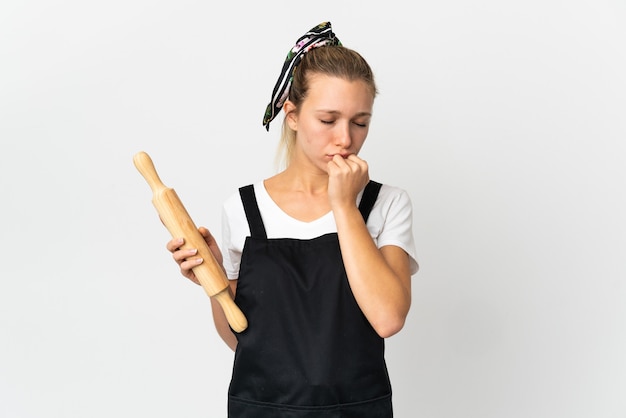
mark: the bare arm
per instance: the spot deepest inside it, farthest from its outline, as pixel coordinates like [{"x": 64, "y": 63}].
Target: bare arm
[{"x": 380, "y": 278}]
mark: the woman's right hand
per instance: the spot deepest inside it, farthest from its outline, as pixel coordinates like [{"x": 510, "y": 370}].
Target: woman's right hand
[{"x": 187, "y": 259}]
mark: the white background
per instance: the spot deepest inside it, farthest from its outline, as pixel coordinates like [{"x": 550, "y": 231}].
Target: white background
[{"x": 505, "y": 122}]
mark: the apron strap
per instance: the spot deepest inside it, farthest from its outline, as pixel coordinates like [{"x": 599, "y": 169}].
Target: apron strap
[
  {"x": 250, "y": 206},
  {"x": 370, "y": 194}
]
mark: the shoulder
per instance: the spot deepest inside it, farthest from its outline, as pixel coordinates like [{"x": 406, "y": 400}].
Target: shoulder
[
  {"x": 234, "y": 202},
  {"x": 389, "y": 190},
  {"x": 392, "y": 206},
  {"x": 233, "y": 207},
  {"x": 392, "y": 197}
]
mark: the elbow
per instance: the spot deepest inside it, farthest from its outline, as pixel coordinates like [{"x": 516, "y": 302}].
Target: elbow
[
  {"x": 389, "y": 326},
  {"x": 389, "y": 322}
]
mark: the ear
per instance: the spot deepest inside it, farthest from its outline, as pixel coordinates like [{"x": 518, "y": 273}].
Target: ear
[{"x": 291, "y": 116}]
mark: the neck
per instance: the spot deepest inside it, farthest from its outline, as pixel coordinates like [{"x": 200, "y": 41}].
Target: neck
[
  {"x": 304, "y": 180},
  {"x": 302, "y": 176},
  {"x": 301, "y": 193}
]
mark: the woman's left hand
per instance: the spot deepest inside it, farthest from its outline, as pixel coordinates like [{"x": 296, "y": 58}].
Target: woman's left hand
[{"x": 346, "y": 178}]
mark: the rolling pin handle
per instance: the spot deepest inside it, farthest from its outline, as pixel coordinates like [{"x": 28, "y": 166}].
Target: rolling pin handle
[
  {"x": 236, "y": 319},
  {"x": 144, "y": 164}
]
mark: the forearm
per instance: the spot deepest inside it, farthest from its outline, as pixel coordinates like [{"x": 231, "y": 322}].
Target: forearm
[{"x": 379, "y": 278}]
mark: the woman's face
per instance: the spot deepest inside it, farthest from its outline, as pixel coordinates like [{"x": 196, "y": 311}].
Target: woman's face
[{"x": 334, "y": 119}]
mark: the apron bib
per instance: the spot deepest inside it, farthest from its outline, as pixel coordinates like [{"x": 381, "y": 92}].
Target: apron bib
[{"x": 308, "y": 351}]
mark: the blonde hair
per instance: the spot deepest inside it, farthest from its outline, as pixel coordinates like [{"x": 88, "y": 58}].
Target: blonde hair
[{"x": 334, "y": 61}]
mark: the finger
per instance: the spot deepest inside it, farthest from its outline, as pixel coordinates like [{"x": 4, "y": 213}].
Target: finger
[
  {"x": 182, "y": 255},
  {"x": 339, "y": 163},
  {"x": 208, "y": 237},
  {"x": 332, "y": 166},
  {"x": 174, "y": 244},
  {"x": 189, "y": 264},
  {"x": 358, "y": 161}
]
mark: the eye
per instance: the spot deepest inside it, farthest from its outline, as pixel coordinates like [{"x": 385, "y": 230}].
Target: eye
[
  {"x": 360, "y": 124},
  {"x": 327, "y": 122}
]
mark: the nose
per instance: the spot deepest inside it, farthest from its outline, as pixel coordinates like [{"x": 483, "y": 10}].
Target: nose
[{"x": 343, "y": 137}]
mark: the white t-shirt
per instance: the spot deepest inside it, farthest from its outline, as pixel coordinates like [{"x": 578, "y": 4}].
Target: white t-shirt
[{"x": 390, "y": 223}]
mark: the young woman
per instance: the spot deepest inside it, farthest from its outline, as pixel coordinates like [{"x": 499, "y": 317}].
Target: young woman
[{"x": 320, "y": 258}]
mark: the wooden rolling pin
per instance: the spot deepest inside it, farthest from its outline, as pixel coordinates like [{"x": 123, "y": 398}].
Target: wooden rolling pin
[{"x": 178, "y": 222}]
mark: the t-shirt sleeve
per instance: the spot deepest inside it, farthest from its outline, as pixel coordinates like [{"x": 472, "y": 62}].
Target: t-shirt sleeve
[
  {"x": 234, "y": 232},
  {"x": 397, "y": 228}
]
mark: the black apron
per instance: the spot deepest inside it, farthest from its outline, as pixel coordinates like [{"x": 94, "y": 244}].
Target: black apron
[{"x": 308, "y": 351}]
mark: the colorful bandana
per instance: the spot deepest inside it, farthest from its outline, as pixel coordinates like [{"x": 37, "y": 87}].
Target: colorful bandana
[{"x": 321, "y": 35}]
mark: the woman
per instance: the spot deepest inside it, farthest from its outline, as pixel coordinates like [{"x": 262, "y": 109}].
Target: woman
[{"x": 320, "y": 258}]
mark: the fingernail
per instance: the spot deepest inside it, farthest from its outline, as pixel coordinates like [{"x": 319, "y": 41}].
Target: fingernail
[{"x": 199, "y": 260}]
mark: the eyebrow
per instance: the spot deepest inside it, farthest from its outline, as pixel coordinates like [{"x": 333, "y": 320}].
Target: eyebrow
[{"x": 335, "y": 112}]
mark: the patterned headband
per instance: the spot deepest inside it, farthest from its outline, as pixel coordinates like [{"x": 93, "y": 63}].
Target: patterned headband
[{"x": 321, "y": 35}]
